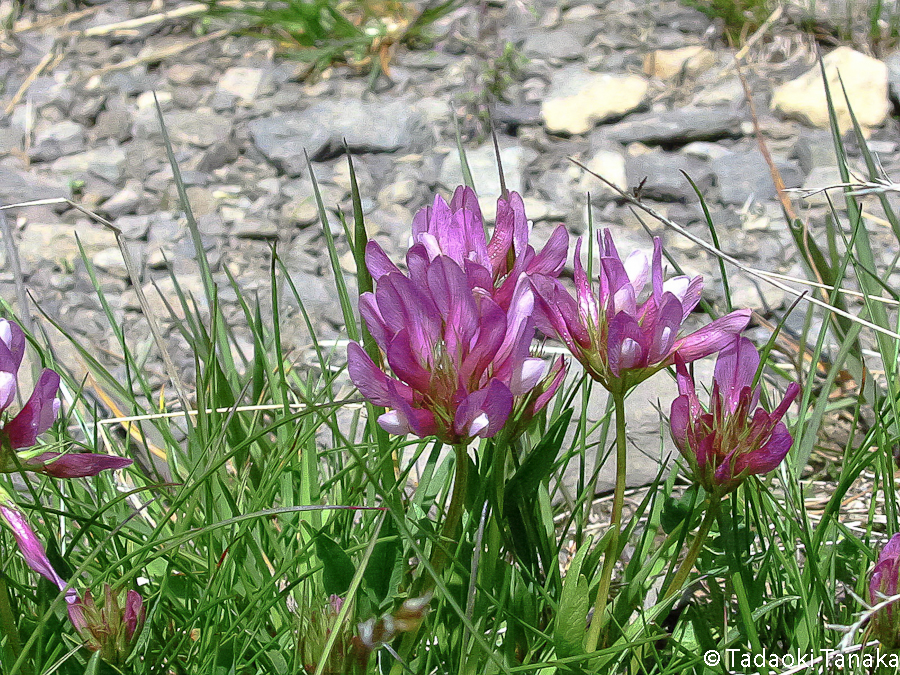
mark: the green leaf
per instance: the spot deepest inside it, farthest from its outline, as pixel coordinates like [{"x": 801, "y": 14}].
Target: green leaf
[
  {"x": 338, "y": 569},
  {"x": 571, "y": 622},
  {"x": 537, "y": 465}
]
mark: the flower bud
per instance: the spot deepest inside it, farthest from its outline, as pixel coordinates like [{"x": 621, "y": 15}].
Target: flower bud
[
  {"x": 112, "y": 629},
  {"x": 885, "y": 621}
]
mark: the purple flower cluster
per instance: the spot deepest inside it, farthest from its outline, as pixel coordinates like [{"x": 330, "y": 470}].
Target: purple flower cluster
[
  {"x": 620, "y": 341},
  {"x": 457, "y": 329},
  {"x": 36, "y": 417},
  {"x": 735, "y": 438}
]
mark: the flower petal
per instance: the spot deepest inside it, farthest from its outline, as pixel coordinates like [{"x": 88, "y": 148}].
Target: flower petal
[
  {"x": 37, "y": 415},
  {"x": 74, "y": 464},
  {"x": 712, "y": 337}
]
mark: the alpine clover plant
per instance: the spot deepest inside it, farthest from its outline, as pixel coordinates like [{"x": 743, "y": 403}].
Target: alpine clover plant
[
  {"x": 108, "y": 630},
  {"x": 622, "y": 341},
  {"x": 732, "y": 439},
  {"x": 456, "y": 331}
]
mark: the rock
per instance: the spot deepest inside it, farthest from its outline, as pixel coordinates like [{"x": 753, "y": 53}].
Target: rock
[
  {"x": 201, "y": 127},
  {"x": 866, "y": 82},
  {"x": 893, "y": 65},
  {"x": 318, "y": 296},
  {"x": 254, "y": 228},
  {"x": 300, "y": 211},
  {"x": 611, "y": 165},
  {"x": 665, "y": 181},
  {"x": 21, "y": 186},
  {"x": 126, "y": 200},
  {"x": 57, "y": 140},
  {"x": 822, "y": 177},
  {"x": 560, "y": 43},
  {"x": 41, "y": 243},
  {"x": 741, "y": 175},
  {"x": 513, "y": 115},
  {"x": 242, "y": 83},
  {"x": 815, "y": 148},
  {"x": 485, "y": 175},
  {"x": 107, "y": 163},
  {"x": 218, "y": 155},
  {"x": 669, "y": 63},
  {"x": 676, "y": 127},
  {"x": 397, "y": 192},
  {"x": 11, "y": 138},
  {"x": 579, "y": 99},
  {"x": 320, "y": 130},
  {"x": 114, "y": 123}
]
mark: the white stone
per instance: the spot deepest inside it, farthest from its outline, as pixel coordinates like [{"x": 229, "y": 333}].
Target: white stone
[
  {"x": 609, "y": 164},
  {"x": 241, "y": 82},
  {"x": 668, "y": 63},
  {"x": 579, "y": 99},
  {"x": 866, "y": 82}
]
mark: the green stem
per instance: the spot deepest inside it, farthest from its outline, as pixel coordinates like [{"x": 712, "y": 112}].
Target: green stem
[
  {"x": 737, "y": 581},
  {"x": 712, "y": 511},
  {"x": 8, "y": 626},
  {"x": 615, "y": 524},
  {"x": 439, "y": 557}
]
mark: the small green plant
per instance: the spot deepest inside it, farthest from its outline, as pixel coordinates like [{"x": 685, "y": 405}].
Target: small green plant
[
  {"x": 361, "y": 33},
  {"x": 741, "y": 17}
]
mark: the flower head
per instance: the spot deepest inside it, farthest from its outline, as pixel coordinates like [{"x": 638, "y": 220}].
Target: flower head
[
  {"x": 734, "y": 438},
  {"x": 885, "y": 621},
  {"x": 36, "y": 417},
  {"x": 457, "y": 330},
  {"x": 621, "y": 341},
  {"x": 111, "y": 629},
  {"x": 457, "y": 230}
]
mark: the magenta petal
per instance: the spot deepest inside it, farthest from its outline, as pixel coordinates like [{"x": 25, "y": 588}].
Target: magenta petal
[
  {"x": 74, "y": 465},
  {"x": 552, "y": 258},
  {"x": 626, "y": 345},
  {"x": 13, "y": 340},
  {"x": 464, "y": 197},
  {"x": 452, "y": 296},
  {"x": 735, "y": 369},
  {"x": 377, "y": 261},
  {"x": 679, "y": 421},
  {"x": 373, "y": 384},
  {"x": 405, "y": 419},
  {"x": 769, "y": 456},
  {"x": 406, "y": 364},
  {"x": 368, "y": 310},
  {"x": 558, "y": 374},
  {"x": 37, "y": 415},
  {"x": 483, "y": 413},
  {"x": 712, "y": 337},
  {"x": 891, "y": 549},
  {"x": 664, "y": 329},
  {"x": 31, "y": 548},
  {"x": 134, "y": 614}
]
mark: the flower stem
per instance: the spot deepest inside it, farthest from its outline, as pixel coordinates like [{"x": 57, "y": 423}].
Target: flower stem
[
  {"x": 687, "y": 564},
  {"x": 440, "y": 555},
  {"x": 615, "y": 524}
]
